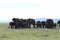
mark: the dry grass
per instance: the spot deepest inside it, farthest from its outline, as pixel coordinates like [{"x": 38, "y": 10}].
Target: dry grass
[{"x": 28, "y": 34}]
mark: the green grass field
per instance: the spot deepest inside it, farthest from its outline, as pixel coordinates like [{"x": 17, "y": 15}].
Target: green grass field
[{"x": 28, "y": 34}]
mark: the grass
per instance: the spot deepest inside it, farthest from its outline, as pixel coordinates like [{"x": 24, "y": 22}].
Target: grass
[{"x": 28, "y": 34}]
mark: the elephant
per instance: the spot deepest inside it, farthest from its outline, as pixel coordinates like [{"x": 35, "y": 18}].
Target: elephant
[
  {"x": 49, "y": 23},
  {"x": 11, "y": 25},
  {"x": 39, "y": 24},
  {"x": 31, "y": 22}
]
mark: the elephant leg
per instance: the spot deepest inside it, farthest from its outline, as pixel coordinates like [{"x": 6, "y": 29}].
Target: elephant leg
[
  {"x": 34, "y": 25},
  {"x": 15, "y": 27},
  {"x": 40, "y": 26},
  {"x": 29, "y": 26},
  {"x": 43, "y": 26},
  {"x": 11, "y": 27},
  {"x": 37, "y": 26}
]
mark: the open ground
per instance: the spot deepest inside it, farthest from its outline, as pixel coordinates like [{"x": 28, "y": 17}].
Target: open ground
[{"x": 28, "y": 33}]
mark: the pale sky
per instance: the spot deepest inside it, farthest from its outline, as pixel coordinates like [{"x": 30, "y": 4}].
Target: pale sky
[{"x": 29, "y": 9}]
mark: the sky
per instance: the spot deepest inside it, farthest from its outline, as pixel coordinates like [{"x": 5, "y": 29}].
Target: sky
[{"x": 29, "y": 9}]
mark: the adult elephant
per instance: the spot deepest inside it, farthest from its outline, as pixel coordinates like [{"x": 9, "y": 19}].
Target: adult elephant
[
  {"x": 25, "y": 23},
  {"x": 20, "y": 23},
  {"x": 39, "y": 24},
  {"x": 11, "y": 25},
  {"x": 49, "y": 23},
  {"x": 17, "y": 22},
  {"x": 31, "y": 22}
]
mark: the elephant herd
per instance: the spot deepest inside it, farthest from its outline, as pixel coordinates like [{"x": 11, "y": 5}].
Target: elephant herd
[{"x": 27, "y": 23}]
